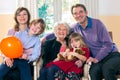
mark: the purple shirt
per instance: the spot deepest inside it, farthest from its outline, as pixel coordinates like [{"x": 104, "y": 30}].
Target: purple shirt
[
  {"x": 97, "y": 38},
  {"x": 50, "y": 36}
]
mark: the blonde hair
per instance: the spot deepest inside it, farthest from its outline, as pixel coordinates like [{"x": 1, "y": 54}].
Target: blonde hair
[
  {"x": 61, "y": 23},
  {"x": 77, "y": 37},
  {"x": 42, "y": 24}
]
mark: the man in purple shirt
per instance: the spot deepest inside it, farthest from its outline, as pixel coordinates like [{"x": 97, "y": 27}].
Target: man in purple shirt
[{"x": 105, "y": 57}]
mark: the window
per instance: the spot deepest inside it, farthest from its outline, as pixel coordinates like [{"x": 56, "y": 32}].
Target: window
[
  {"x": 66, "y": 10},
  {"x": 45, "y": 11},
  {"x": 55, "y": 10}
]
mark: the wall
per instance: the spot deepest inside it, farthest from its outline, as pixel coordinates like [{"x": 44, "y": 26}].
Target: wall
[
  {"x": 6, "y": 17},
  {"x": 7, "y": 9},
  {"x": 6, "y": 22},
  {"x": 109, "y": 13}
]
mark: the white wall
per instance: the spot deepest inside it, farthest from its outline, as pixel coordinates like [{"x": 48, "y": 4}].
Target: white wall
[
  {"x": 7, "y": 6},
  {"x": 109, "y": 13},
  {"x": 109, "y": 7}
]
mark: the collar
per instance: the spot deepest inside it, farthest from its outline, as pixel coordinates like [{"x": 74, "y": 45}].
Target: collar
[
  {"x": 89, "y": 25},
  {"x": 89, "y": 22}
]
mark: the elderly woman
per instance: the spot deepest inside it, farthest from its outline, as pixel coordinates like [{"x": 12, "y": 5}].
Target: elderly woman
[{"x": 51, "y": 48}]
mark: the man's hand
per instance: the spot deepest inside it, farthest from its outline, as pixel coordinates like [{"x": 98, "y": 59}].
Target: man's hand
[{"x": 91, "y": 59}]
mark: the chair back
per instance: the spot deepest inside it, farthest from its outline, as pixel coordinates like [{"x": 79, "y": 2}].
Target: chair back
[{"x": 110, "y": 32}]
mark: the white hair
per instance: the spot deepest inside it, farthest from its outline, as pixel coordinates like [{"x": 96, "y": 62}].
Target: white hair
[{"x": 61, "y": 23}]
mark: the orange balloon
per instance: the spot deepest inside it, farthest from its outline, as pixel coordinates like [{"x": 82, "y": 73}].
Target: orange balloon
[{"x": 11, "y": 47}]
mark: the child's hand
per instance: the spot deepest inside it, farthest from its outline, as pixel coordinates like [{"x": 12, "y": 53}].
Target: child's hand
[
  {"x": 64, "y": 54},
  {"x": 8, "y": 61},
  {"x": 24, "y": 56},
  {"x": 79, "y": 56},
  {"x": 72, "y": 53}
]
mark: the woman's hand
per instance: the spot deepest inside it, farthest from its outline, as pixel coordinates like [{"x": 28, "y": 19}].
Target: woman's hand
[
  {"x": 8, "y": 61},
  {"x": 56, "y": 59},
  {"x": 79, "y": 63}
]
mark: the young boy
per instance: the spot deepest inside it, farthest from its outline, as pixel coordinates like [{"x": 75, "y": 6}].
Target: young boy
[{"x": 32, "y": 47}]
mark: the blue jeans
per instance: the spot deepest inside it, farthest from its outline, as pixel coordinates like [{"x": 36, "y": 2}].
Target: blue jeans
[
  {"x": 48, "y": 73},
  {"x": 22, "y": 65}
]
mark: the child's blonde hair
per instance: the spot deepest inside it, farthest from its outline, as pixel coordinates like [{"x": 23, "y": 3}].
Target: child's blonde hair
[
  {"x": 42, "y": 24},
  {"x": 77, "y": 37}
]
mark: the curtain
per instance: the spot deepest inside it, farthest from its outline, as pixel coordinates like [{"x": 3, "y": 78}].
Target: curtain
[
  {"x": 57, "y": 10},
  {"x": 92, "y": 7},
  {"x": 31, "y": 5}
]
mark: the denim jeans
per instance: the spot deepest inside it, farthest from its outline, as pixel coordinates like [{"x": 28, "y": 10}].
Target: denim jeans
[
  {"x": 47, "y": 73},
  {"x": 22, "y": 65},
  {"x": 106, "y": 68}
]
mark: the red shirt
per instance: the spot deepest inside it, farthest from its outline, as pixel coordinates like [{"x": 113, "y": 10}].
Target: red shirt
[{"x": 69, "y": 66}]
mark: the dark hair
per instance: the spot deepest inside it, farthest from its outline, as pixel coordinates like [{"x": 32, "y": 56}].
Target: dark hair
[
  {"x": 78, "y": 5},
  {"x": 42, "y": 24},
  {"x": 16, "y": 27}
]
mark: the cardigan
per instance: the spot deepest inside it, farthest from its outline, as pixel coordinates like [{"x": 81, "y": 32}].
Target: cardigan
[{"x": 50, "y": 49}]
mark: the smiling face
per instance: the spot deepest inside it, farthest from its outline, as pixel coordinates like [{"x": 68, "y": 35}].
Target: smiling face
[
  {"x": 35, "y": 29},
  {"x": 61, "y": 32},
  {"x": 22, "y": 17},
  {"x": 79, "y": 14},
  {"x": 37, "y": 26}
]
